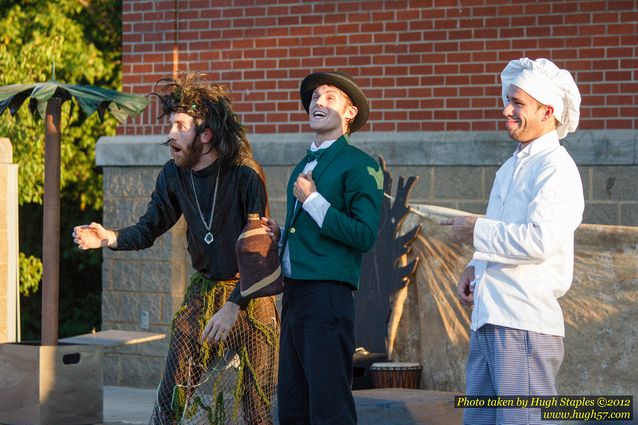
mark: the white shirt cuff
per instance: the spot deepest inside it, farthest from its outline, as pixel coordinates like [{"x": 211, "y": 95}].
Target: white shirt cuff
[
  {"x": 317, "y": 206},
  {"x": 483, "y": 229}
]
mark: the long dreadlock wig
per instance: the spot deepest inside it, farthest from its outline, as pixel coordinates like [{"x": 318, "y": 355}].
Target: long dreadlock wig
[{"x": 210, "y": 107}]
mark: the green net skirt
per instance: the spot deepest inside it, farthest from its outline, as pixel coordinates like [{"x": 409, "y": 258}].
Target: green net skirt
[{"x": 233, "y": 382}]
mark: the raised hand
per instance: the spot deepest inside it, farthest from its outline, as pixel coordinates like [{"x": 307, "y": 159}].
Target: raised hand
[{"x": 304, "y": 186}]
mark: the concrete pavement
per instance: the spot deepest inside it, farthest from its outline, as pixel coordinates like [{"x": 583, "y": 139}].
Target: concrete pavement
[
  {"x": 390, "y": 406},
  {"x": 124, "y": 405}
]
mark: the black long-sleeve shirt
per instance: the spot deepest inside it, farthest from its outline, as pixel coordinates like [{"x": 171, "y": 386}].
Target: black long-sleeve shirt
[{"x": 241, "y": 192}]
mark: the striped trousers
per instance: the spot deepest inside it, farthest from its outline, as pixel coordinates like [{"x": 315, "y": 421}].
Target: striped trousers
[{"x": 510, "y": 362}]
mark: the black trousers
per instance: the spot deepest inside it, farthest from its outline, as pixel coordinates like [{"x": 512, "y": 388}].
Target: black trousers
[{"x": 315, "y": 357}]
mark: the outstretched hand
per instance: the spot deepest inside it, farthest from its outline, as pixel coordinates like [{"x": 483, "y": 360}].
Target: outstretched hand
[
  {"x": 463, "y": 226},
  {"x": 94, "y": 235}
]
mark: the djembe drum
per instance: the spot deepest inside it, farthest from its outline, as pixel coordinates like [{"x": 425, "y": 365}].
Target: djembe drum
[{"x": 396, "y": 375}]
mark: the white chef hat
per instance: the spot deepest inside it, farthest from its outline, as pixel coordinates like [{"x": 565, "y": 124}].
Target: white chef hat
[{"x": 548, "y": 84}]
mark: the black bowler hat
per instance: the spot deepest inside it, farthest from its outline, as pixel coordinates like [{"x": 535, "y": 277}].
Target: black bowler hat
[{"x": 342, "y": 81}]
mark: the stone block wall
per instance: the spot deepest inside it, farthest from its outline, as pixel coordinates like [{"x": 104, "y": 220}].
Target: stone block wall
[
  {"x": 611, "y": 192},
  {"x": 149, "y": 282},
  {"x": 8, "y": 243},
  {"x": 134, "y": 283},
  {"x": 455, "y": 169}
]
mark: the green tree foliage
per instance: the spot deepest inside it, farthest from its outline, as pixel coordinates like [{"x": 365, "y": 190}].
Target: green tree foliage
[
  {"x": 83, "y": 39},
  {"x": 35, "y": 35}
]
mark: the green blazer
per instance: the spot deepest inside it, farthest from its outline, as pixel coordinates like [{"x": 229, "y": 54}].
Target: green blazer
[{"x": 352, "y": 182}]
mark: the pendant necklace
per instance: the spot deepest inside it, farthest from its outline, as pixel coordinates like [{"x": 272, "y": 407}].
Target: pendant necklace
[{"x": 209, "y": 236}]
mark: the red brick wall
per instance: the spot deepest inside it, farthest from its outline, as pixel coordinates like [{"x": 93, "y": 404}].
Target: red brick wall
[{"x": 426, "y": 65}]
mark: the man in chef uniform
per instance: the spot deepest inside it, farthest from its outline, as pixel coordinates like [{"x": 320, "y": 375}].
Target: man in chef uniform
[{"x": 524, "y": 247}]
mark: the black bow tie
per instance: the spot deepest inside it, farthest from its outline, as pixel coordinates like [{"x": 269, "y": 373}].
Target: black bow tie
[{"x": 314, "y": 155}]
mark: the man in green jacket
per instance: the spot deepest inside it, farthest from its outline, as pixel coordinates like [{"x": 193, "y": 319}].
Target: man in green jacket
[{"x": 335, "y": 195}]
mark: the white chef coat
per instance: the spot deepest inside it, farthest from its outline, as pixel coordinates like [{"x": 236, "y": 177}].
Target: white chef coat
[{"x": 524, "y": 247}]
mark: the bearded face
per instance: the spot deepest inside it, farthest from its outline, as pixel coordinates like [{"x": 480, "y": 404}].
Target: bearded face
[{"x": 186, "y": 146}]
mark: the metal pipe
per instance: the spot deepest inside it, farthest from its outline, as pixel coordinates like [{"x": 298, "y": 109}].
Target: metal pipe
[
  {"x": 176, "y": 41},
  {"x": 51, "y": 225}
]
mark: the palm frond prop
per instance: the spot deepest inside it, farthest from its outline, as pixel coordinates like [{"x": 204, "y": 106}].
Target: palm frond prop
[
  {"x": 47, "y": 99},
  {"x": 90, "y": 99}
]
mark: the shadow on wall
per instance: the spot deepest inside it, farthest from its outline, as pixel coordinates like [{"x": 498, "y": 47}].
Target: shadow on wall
[{"x": 600, "y": 309}]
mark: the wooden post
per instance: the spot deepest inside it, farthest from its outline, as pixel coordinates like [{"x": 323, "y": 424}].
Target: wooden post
[{"x": 51, "y": 230}]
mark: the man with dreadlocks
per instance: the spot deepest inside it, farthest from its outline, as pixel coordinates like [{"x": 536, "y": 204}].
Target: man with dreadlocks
[{"x": 215, "y": 184}]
